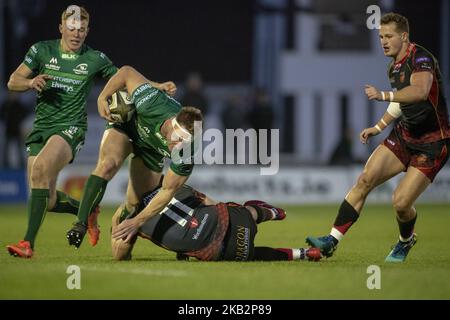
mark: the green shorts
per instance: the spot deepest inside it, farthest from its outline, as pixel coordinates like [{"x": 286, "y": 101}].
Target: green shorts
[
  {"x": 152, "y": 158},
  {"x": 73, "y": 135}
]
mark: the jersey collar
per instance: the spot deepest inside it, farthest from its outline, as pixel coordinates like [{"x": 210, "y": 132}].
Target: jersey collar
[
  {"x": 410, "y": 48},
  {"x": 70, "y": 55}
]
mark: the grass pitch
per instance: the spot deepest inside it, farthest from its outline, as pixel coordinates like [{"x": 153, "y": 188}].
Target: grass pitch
[{"x": 155, "y": 274}]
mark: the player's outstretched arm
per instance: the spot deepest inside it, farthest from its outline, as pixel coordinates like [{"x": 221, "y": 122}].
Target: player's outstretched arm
[
  {"x": 20, "y": 80},
  {"x": 171, "y": 183}
]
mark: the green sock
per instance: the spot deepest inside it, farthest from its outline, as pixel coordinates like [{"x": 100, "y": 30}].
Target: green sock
[
  {"x": 65, "y": 204},
  {"x": 37, "y": 207},
  {"x": 126, "y": 214},
  {"x": 92, "y": 195}
]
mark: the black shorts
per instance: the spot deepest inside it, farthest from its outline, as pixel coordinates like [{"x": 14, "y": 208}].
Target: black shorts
[{"x": 238, "y": 244}]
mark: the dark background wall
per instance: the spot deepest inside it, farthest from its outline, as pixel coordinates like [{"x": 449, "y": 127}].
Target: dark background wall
[
  {"x": 168, "y": 39},
  {"x": 424, "y": 22},
  {"x": 163, "y": 39}
]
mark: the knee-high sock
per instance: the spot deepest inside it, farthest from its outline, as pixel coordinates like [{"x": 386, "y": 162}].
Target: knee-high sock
[
  {"x": 406, "y": 228},
  {"x": 263, "y": 214},
  {"x": 65, "y": 204},
  {"x": 37, "y": 207},
  {"x": 92, "y": 195},
  {"x": 278, "y": 254},
  {"x": 346, "y": 217}
]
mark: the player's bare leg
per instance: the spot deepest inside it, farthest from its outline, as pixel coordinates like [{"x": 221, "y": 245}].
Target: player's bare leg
[
  {"x": 412, "y": 185},
  {"x": 42, "y": 171},
  {"x": 141, "y": 180},
  {"x": 46, "y": 166},
  {"x": 382, "y": 165},
  {"x": 114, "y": 149},
  {"x": 30, "y": 162},
  {"x": 121, "y": 250}
]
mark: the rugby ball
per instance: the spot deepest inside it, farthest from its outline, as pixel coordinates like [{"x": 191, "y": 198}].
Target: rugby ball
[{"x": 121, "y": 107}]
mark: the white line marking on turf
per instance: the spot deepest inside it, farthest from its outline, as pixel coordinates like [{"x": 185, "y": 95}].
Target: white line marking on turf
[{"x": 140, "y": 271}]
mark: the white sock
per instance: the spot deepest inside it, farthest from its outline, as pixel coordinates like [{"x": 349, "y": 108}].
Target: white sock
[
  {"x": 296, "y": 254},
  {"x": 336, "y": 234},
  {"x": 274, "y": 213},
  {"x": 406, "y": 239}
]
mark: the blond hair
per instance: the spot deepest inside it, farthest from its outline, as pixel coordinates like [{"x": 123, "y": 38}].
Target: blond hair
[{"x": 84, "y": 15}]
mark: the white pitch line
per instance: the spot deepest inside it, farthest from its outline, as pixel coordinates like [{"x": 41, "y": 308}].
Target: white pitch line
[{"x": 140, "y": 271}]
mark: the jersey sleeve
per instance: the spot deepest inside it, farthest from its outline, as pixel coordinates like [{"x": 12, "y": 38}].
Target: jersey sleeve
[
  {"x": 32, "y": 58},
  {"x": 182, "y": 169},
  {"x": 107, "y": 69},
  {"x": 422, "y": 61}
]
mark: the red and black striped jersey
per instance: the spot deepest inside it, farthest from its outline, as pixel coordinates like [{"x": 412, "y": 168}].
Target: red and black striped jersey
[
  {"x": 186, "y": 225},
  {"x": 425, "y": 121}
]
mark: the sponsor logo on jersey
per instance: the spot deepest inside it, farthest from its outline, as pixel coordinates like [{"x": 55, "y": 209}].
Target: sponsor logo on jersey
[
  {"x": 242, "y": 243},
  {"x": 144, "y": 132},
  {"x": 193, "y": 223},
  {"x": 145, "y": 98},
  {"x": 391, "y": 142},
  {"x": 28, "y": 59},
  {"x": 200, "y": 229},
  {"x": 82, "y": 68},
  {"x": 141, "y": 88},
  {"x": 70, "y": 132},
  {"x": 424, "y": 65},
  {"x": 52, "y": 65},
  {"x": 102, "y": 55},
  {"x": 423, "y": 59},
  {"x": 33, "y": 48},
  {"x": 163, "y": 152},
  {"x": 397, "y": 68},
  {"x": 69, "y": 56},
  {"x": 65, "y": 87}
]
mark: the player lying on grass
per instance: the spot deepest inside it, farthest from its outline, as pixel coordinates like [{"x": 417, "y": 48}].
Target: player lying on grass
[{"x": 193, "y": 225}]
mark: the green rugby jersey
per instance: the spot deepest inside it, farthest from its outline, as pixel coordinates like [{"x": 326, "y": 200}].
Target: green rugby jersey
[
  {"x": 153, "y": 107},
  {"x": 63, "y": 100}
]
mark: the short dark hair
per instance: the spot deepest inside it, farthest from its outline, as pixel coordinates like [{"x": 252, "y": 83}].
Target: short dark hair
[
  {"x": 401, "y": 22},
  {"x": 187, "y": 116}
]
